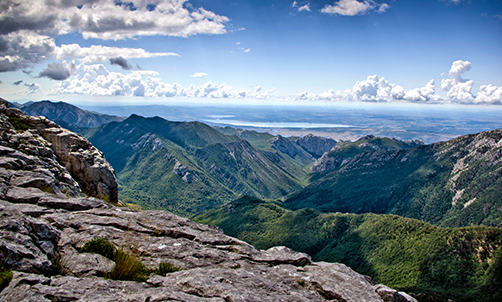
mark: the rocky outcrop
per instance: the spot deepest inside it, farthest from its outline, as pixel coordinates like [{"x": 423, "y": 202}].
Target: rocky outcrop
[
  {"x": 64, "y": 152},
  {"x": 148, "y": 141},
  {"x": 345, "y": 151},
  {"x": 283, "y": 145},
  {"x": 316, "y": 145},
  {"x": 185, "y": 174},
  {"x": 328, "y": 162},
  {"x": 216, "y": 267}
]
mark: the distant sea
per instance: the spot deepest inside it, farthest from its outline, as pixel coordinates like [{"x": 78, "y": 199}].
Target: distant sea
[{"x": 429, "y": 123}]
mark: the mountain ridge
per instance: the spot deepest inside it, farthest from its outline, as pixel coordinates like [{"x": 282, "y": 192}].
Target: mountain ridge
[{"x": 47, "y": 226}]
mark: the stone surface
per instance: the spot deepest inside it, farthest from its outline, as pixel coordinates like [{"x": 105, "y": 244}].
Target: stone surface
[
  {"x": 283, "y": 145},
  {"x": 58, "y": 160},
  {"x": 216, "y": 267},
  {"x": 316, "y": 145}
]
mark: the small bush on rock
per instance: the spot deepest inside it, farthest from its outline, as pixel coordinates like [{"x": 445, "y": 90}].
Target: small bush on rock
[
  {"x": 165, "y": 267},
  {"x": 128, "y": 267},
  {"x": 5, "y": 276},
  {"x": 99, "y": 246}
]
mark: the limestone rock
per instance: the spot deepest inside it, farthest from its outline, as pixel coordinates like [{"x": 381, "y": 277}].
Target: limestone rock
[
  {"x": 283, "y": 145},
  {"x": 43, "y": 146},
  {"x": 187, "y": 175},
  {"x": 316, "y": 145}
]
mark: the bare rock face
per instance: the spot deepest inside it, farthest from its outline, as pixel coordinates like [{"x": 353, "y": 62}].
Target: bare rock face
[
  {"x": 71, "y": 158},
  {"x": 316, "y": 145},
  {"x": 216, "y": 267},
  {"x": 185, "y": 174},
  {"x": 283, "y": 145}
]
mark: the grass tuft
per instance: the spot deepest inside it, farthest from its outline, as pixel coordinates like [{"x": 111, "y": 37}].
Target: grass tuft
[
  {"x": 128, "y": 267},
  {"x": 99, "y": 246},
  {"x": 165, "y": 267},
  {"x": 5, "y": 276},
  {"x": 61, "y": 265}
]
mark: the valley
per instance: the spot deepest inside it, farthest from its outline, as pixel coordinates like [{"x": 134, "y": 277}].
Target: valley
[{"x": 424, "y": 218}]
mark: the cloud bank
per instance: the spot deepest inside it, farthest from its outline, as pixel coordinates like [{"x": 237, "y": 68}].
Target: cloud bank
[
  {"x": 375, "y": 89},
  {"x": 28, "y": 28},
  {"x": 97, "y": 80}
]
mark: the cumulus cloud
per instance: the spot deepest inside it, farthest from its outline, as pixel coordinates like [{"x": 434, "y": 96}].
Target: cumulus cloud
[
  {"x": 109, "y": 19},
  {"x": 458, "y": 89},
  {"x": 121, "y": 62},
  {"x": 23, "y": 48},
  {"x": 97, "y": 80},
  {"x": 28, "y": 27},
  {"x": 489, "y": 94},
  {"x": 17, "y": 82},
  {"x": 32, "y": 88},
  {"x": 99, "y": 53},
  {"x": 354, "y": 7},
  {"x": 57, "y": 71},
  {"x": 375, "y": 89},
  {"x": 199, "y": 75},
  {"x": 301, "y": 8}
]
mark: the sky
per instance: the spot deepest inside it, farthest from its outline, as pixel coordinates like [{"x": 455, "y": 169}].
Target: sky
[{"x": 446, "y": 52}]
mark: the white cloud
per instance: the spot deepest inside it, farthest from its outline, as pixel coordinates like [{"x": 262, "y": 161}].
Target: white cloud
[
  {"x": 23, "y": 48},
  {"x": 199, "y": 75},
  {"x": 305, "y": 7},
  {"x": 489, "y": 94},
  {"x": 457, "y": 89},
  {"x": 374, "y": 89},
  {"x": 301, "y": 8},
  {"x": 354, "y": 7},
  {"x": 97, "y": 80},
  {"x": 99, "y": 53},
  {"x": 32, "y": 88},
  {"x": 28, "y": 27},
  {"x": 109, "y": 19}
]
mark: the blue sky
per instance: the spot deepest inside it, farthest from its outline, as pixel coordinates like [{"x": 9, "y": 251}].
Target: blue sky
[{"x": 162, "y": 51}]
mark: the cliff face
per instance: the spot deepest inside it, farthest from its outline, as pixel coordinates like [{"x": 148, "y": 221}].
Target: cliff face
[
  {"x": 44, "y": 221},
  {"x": 68, "y": 152},
  {"x": 316, "y": 145}
]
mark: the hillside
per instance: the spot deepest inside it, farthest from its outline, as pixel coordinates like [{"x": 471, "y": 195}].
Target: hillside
[
  {"x": 344, "y": 151},
  {"x": 57, "y": 244},
  {"x": 437, "y": 264},
  {"x": 452, "y": 183},
  {"x": 189, "y": 167},
  {"x": 68, "y": 115}
]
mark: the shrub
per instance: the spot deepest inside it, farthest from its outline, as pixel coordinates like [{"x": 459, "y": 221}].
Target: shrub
[
  {"x": 99, "y": 246},
  {"x": 128, "y": 267},
  {"x": 5, "y": 276},
  {"x": 18, "y": 124},
  {"x": 165, "y": 267}
]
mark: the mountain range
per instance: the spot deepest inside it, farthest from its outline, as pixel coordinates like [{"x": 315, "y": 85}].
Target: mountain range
[{"x": 402, "y": 211}]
